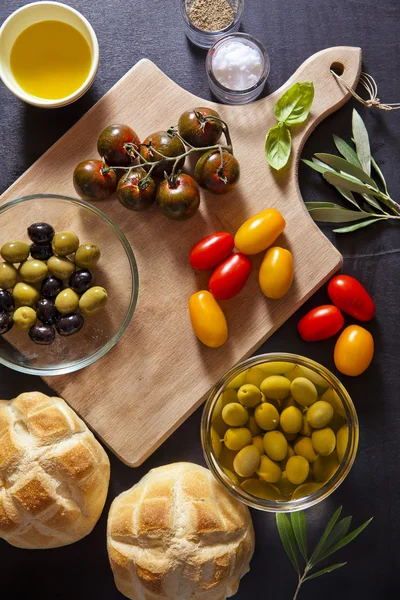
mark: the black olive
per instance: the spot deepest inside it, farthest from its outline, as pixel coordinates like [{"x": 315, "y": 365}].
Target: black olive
[
  {"x": 40, "y": 232},
  {"x": 81, "y": 281},
  {"x": 6, "y": 322},
  {"x": 51, "y": 287},
  {"x": 6, "y": 300},
  {"x": 70, "y": 324},
  {"x": 41, "y": 251},
  {"x": 46, "y": 311},
  {"x": 42, "y": 334}
]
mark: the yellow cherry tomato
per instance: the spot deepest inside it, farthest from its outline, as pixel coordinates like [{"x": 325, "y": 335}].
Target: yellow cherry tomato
[
  {"x": 354, "y": 350},
  {"x": 260, "y": 231},
  {"x": 276, "y": 273},
  {"x": 208, "y": 320}
]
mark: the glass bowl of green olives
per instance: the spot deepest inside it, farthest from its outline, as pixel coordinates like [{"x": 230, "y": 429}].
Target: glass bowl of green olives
[
  {"x": 68, "y": 284},
  {"x": 280, "y": 432}
]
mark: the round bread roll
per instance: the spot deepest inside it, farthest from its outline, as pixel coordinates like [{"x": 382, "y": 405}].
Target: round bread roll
[
  {"x": 178, "y": 535},
  {"x": 53, "y": 473}
]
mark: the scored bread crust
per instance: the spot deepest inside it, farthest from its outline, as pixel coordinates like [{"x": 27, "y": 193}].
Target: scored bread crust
[
  {"x": 54, "y": 474},
  {"x": 179, "y": 535}
]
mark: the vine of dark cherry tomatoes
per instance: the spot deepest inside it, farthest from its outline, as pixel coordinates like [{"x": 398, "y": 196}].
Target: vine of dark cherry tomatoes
[{"x": 152, "y": 169}]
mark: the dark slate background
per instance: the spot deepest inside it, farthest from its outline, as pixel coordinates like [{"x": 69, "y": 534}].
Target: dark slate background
[{"x": 129, "y": 30}]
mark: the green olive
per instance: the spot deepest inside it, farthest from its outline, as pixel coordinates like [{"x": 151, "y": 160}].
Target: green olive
[
  {"x": 304, "y": 391},
  {"x": 289, "y": 401},
  {"x": 25, "y": 295},
  {"x": 249, "y": 395},
  {"x": 8, "y": 276},
  {"x": 24, "y": 317},
  {"x": 92, "y": 301},
  {"x": 288, "y": 436},
  {"x": 306, "y": 489},
  {"x": 297, "y": 469},
  {"x": 268, "y": 470},
  {"x": 252, "y": 425},
  {"x": 261, "y": 489},
  {"x": 303, "y": 446},
  {"x": 246, "y": 461},
  {"x": 258, "y": 443},
  {"x": 237, "y": 381},
  {"x": 342, "y": 439},
  {"x": 317, "y": 379},
  {"x": 235, "y": 415},
  {"x": 325, "y": 467},
  {"x": 332, "y": 397},
  {"x": 277, "y": 368},
  {"x": 15, "y": 252},
  {"x": 266, "y": 416},
  {"x": 291, "y": 420},
  {"x": 216, "y": 442},
  {"x": 289, "y": 454},
  {"x": 225, "y": 398},
  {"x": 324, "y": 441},
  {"x": 60, "y": 267},
  {"x": 285, "y": 486},
  {"x": 337, "y": 422},
  {"x": 67, "y": 301},
  {"x": 219, "y": 425},
  {"x": 276, "y": 387},
  {"x": 87, "y": 256},
  {"x": 306, "y": 429},
  {"x": 319, "y": 414},
  {"x": 33, "y": 271},
  {"x": 232, "y": 476},
  {"x": 255, "y": 376},
  {"x": 236, "y": 439},
  {"x": 294, "y": 373},
  {"x": 275, "y": 445},
  {"x": 226, "y": 458},
  {"x": 65, "y": 242}
]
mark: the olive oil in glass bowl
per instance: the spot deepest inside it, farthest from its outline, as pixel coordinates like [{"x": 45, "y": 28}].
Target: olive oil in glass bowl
[
  {"x": 116, "y": 271},
  {"x": 326, "y": 472}
]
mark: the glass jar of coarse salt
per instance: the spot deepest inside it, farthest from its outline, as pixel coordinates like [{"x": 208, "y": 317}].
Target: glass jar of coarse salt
[{"x": 237, "y": 68}]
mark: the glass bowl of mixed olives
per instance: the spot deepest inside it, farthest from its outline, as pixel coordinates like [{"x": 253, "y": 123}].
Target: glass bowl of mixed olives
[
  {"x": 280, "y": 432},
  {"x": 68, "y": 284}
]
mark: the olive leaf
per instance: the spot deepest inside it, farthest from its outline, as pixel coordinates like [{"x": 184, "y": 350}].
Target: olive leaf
[
  {"x": 379, "y": 172},
  {"x": 293, "y": 534},
  {"x": 350, "y": 228},
  {"x": 278, "y": 146},
  {"x": 345, "y": 167},
  {"x": 361, "y": 140},
  {"x": 347, "y": 151},
  {"x": 337, "y": 214},
  {"x": 295, "y": 104}
]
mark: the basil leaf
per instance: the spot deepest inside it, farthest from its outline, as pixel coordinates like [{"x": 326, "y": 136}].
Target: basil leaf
[
  {"x": 358, "y": 225},
  {"x": 344, "y": 166},
  {"x": 299, "y": 526},
  {"x": 337, "y": 215},
  {"x": 361, "y": 141},
  {"x": 325, "y": 570},
  {"x": 294, "y": 106},
  {"x": 346, "y": 151},
  {"x": 278, "y": 146},
  {"x": 287, "y": 538}
]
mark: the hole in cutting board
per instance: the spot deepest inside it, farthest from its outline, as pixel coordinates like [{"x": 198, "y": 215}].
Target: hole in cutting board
[{"x": 337, "y": 68}]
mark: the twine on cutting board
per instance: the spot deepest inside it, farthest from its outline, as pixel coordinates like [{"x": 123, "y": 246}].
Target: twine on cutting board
[{"x": 368, "y": 83}]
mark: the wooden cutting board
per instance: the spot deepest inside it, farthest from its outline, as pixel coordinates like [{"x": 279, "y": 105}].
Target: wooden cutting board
[{"x": 158, "y": 373}]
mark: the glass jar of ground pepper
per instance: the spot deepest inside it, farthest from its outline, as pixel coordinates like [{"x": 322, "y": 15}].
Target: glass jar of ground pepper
[{"x": 208, "y": 20}]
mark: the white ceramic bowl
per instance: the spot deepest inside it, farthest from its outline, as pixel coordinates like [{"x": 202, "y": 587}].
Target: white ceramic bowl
[{"x": 29, "y": 14}]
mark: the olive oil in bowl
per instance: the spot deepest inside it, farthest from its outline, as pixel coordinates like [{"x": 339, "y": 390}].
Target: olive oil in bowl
[{"x": 50, "y": 60}]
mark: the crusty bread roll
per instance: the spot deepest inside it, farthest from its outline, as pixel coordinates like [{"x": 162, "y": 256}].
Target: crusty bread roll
[
  {"x": 53, "y": 473},
  {"x": 178, "y": 535}
]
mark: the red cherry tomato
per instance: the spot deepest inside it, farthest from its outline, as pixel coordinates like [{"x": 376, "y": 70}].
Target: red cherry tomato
[
  {"x": 351, "y": 297},
  {"x": 211, "y": 251},
  {"x": 230, "y": 277},
  {"x": 320, "y": 323}
]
